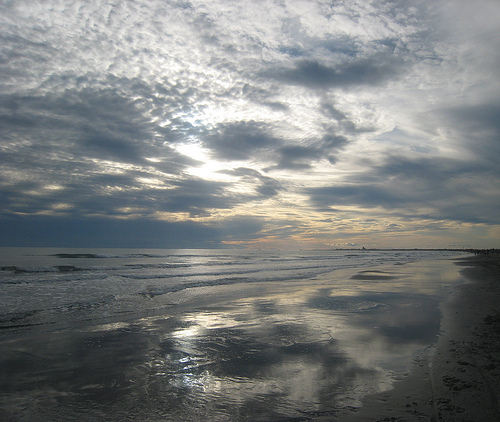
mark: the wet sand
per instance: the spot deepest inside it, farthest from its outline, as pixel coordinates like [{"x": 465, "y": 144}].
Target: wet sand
[
  {"x": 458, "y": 379},
  {"x": 312, "y": 350}
]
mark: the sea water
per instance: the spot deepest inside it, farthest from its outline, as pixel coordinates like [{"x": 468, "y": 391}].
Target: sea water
[{"x": 219, "y": 335}]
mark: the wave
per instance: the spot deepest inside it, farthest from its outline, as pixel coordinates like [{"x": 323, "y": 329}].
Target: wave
[
  {"x": 128, "y": 255},
  {"x": 262, "y": 264},
  {"x": 325, "y": 267},
  {"x": 54, "y": 269},
  {"x": 155, "y": 266},
  {"x": 43, "y": 288},
  {"x": 37, "y": 317},
  {"x": 76, "y": 255}
]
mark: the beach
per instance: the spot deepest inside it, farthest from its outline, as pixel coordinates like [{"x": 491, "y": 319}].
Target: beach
[
  {"x": 219, "y": 336},
  {"x": 458, "y": 380}
]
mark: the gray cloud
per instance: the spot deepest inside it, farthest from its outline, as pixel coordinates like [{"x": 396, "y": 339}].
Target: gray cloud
[
  {"x": 101, "y": 146},
  {"x": 365, "y": 71},
  {"x": 267, "y": 186},
  {"x": 446, "y": 188},
  {"x": 303, "y": 157},
  {"x": 107, "y": 232},
  {"x": 240, "y": 140},
  {"x": 120, "y": 195},
  {"x": 102, "y": 123},
  {"x": 195, "y": 196},
  {"x": 264, "y": 97},
  {"x": 344, "y": 122},
  {"x": 478, "y": 126},
  {"x": 297, "y": 157},
  {"x": 62, "y": 135}
]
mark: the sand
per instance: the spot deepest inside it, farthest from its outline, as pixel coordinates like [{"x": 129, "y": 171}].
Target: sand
[{"x": 458, "y": 379}]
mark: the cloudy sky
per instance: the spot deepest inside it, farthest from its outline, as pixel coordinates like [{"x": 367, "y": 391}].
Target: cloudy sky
[{"x": 276, "y": 123}]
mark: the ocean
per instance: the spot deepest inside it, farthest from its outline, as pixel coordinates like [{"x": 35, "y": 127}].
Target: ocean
[{"x": 218, "y": 335}]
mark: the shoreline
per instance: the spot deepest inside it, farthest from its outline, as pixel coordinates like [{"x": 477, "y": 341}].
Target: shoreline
[
  {"x": 466, "y": 366},
  {"x": 458, "y": 379}
]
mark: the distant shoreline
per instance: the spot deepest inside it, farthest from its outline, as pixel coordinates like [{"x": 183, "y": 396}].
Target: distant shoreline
[{"x": 485, "y": 251}]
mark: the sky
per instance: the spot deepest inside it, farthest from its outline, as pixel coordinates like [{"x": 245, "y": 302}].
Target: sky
[{"x": 261, "y": 124}]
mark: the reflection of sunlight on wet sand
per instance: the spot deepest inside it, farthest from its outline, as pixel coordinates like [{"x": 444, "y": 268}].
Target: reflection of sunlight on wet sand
[
  {"x": 309, "y": 346},
  {"x": 305, "y": 347},
  {"x": 270, "y": 351}
]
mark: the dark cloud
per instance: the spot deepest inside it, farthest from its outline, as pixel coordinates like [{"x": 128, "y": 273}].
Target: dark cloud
[
  {"x": 334, "y": 142},
  {"x": 344, "y": 46},
  {"x": 481, "y": 117},
  {"x": 112, "y": 148},
  {"x": 268, "y": 98},
  {"x": 364, "y": 71},
  {"x": 87, "y": 232},
  {"x": 240, "y": 140},
  {"x": 112, "y": 180},
  {"x": 62, "y": 140},
  {"x": 446, "y": 188},
  {"x": 267, "y": 186},
  {"x": 195, "y": 196},
  {"x": 103, "y": 124},
  {"x": 64, "y": 135},
  {"x": 112, "y": 196},
  {"x": 369, "y": 196},
  {"x": 292, "y": 51},
  {"x": 331, "y": 111},
  {"x": 427, "y": 170},
  {"x": 18, "y": 54},
  {"x": 240, "y": 228},
  {"x": 343, "y": 121},
  {"x": 479, "y": 128},
  {"x": 110, "y": 232},
  {"x": 297, "y": 157},
  {"x": 303, "y": 157}
]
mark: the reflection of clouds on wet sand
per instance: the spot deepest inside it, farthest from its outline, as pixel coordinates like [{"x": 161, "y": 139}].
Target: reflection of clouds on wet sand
[
  {"x": 292, "y": 350},
  {"x": 283, "y": 366},
  {"x": 313, "y": 351}
]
